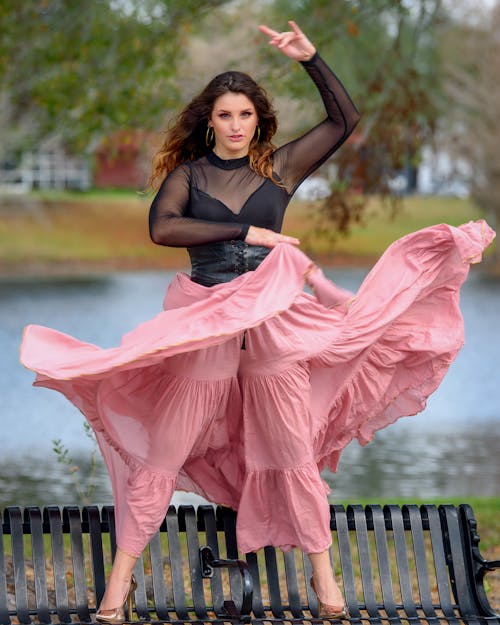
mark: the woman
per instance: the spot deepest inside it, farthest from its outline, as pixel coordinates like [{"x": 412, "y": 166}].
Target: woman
[{"x": 245, "y": 387}]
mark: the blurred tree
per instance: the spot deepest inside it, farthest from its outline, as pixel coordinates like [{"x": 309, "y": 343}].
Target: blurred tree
[
  {"x": 386, "y": 53},
  {"x": 84, "y": 70},
  {"x": 81, "y": 70},
  {"x": 472, "y": 64}
]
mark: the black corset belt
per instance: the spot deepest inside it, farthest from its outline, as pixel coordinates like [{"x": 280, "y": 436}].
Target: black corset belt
[{"x": 222, "y": 261}]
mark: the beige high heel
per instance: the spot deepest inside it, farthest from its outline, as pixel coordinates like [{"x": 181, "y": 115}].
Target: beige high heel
[
  {"x": 116, "y": 616},
  {"x": 329, "y": 612}
]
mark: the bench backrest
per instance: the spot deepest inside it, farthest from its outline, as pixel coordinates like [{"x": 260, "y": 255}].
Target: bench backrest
[{"x": 395, "y": 562}]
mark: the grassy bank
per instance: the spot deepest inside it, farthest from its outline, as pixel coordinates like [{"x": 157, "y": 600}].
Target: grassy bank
[
  {"x": 486, "y": 509},
  {"x": 68, "y": 233},
  {"x": 72, "y": 232},
  {"x": 379, "y": 228}
]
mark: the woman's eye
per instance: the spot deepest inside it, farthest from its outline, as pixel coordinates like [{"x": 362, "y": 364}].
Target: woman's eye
[{"x": 245, "y": 115}]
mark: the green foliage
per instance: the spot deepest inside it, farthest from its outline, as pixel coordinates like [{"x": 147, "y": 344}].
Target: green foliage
[
  {"x": 81, "y": 70},
  {"x": 84, "y": 484},
  {"x": 385, "y": 52}
]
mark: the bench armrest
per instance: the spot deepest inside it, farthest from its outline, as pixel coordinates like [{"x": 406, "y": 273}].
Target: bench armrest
[
  {"x": 479, "y": 565},
  {"x": 208, "y": 563},
  {"x": 487, "y": 565}
]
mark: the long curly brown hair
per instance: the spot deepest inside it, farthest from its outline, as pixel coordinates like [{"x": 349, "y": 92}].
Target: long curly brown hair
[{"x": 186, "y": 140}]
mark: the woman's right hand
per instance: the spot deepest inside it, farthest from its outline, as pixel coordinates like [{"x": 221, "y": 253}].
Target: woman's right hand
[
  {"x": 293, "y": 43},
  {"x": 267, "y": 238}
]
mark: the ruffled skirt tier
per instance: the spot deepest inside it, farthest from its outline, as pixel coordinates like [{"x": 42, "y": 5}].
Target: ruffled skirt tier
[{"x": 180, "y": 405}]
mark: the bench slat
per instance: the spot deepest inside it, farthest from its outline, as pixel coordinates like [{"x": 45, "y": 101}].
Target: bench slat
[
  {"x": 257, "y": 604},
  {"x": 140, "y": 595},
  {"x": 421, "y": 562},
  {"x": 108, "y": 522},
  {"x": 157, "y": 577},
  {"x": 4, "y": 601},
  {"x": 193, "y": 545},
  {"x": 375, "y": 515},
  {"x": 346, "y": 564},
  {"x": 33, "y": 516},
  {"x": 365, "y": 562},
  {"x": 273, "y": 582},
  {"x": 456, "y": 562},
  {"x": 175, "y": 556},
  {"x": 71, "y": 515},
  {"x": 398, "y": 529},
  {"x": 206, "y": 515},
  {"x": 440, "y": 568},
  {"x": 310, "y": 594},
  {"x": 92, "y": 517},
  {"x": 229, "y": 525},
  {"x": 53, "y": 517},
  {"x": 14, "y": 518},
  {"x": 292, "y": 584}
]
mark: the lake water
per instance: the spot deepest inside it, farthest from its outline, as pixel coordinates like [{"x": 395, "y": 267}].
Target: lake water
[{"x": 451, "y": 449}]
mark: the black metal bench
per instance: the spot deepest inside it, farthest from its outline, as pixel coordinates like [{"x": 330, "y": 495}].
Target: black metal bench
[{"x": 397, "y": 564}]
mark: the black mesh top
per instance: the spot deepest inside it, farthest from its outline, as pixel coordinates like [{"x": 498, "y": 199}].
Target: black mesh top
[{"x": 212, "y": 199}]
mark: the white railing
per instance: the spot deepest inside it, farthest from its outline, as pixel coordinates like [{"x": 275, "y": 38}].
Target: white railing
[{"x": 46, "y": 170}]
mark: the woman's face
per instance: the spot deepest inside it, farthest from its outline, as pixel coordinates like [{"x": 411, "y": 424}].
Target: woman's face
[{"x": 234, "y": 120}]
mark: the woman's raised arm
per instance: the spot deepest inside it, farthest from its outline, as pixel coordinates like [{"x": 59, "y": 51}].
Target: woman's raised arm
[{"x": 296, "y": 160}]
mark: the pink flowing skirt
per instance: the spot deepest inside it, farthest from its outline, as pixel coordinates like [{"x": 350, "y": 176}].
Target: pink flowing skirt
[{"x": 180, "y": 405}]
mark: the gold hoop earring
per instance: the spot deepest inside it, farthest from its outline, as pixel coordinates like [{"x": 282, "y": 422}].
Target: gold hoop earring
[
  {"x": 209, "y": 137},
  {"x": 258, "y": 134}
]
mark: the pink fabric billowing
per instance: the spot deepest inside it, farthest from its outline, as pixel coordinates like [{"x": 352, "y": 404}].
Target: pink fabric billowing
[{"x": 179, "y": 404}]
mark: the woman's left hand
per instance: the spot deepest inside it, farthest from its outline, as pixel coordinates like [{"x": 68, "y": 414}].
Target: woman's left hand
[{"x": 293, "y": 43}]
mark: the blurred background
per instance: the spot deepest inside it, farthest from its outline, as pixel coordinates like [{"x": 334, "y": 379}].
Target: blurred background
[{"x": 87, "y": 89}]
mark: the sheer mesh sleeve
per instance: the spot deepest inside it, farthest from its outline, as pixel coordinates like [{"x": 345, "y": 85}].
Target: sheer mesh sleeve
[
  {"x": 169, "y": 225},
  {"x": 294, "y": 161}
]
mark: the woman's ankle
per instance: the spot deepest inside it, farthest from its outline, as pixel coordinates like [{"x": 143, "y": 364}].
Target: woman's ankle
[
  {"x": 325, "y": 584},
  {"x": 116, "y": 592}
]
